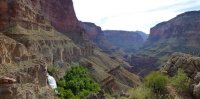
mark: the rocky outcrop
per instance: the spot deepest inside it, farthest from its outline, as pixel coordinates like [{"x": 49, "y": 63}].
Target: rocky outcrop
[
  {"x": 28, "y": 80},
  {"x": 11, "y": 50},
  {"x": 184, "y": 61},
  {"x": 190, "y": 65}
]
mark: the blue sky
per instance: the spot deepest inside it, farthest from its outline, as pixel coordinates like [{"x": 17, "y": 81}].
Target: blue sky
[{"x": 131, "y": 15}]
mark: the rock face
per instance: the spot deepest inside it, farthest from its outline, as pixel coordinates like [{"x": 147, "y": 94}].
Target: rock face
[
  {"x": 96, "y": 35},
  {"x": 125, "y": 40},
  {"x": 10, "y": 49},
  {"x": 190, "y": 65},
  {"x": 92, "y": 31},
  {"x": 30, "y": 80},
  {"x": 35, "y": 34},
  {"x": 186, "y": 62},
  {"x": 181, "y": 26},
  {"x": 39, "y": 13},
  {"x": 61, "y": 14}
]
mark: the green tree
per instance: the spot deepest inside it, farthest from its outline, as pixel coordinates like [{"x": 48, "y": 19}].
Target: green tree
[{"x": 77, "y": 83}]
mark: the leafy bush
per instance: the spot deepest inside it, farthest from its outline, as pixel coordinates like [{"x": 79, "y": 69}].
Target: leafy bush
[
  {"x": 156, "y": 82},
  {"x": 65, "y": 93},
  {"x": 77, "y": 84},
  {"x": 180, "y": 81}
]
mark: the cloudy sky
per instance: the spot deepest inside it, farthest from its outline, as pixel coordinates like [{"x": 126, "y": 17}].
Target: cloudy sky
[{"x": 131, "y": 15}]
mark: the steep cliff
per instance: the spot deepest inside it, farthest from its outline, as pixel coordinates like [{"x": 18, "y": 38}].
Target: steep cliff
[
  {"x": 92, "y": 31},
  {"x": 38, "y": 33},
  {"x": 33, "y": 13},
  {"x": 96, "y": 35},
  {"x": 180, "y": 34},
  {"x": 125, "y": 40}
]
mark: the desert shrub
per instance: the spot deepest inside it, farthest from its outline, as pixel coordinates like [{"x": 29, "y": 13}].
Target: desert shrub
[
  {"x": 181, "y": 81},
  {"x": 77, "y": 84},
  {"x": 140, "y": 92},
  {"x": 156, "y": 81}
]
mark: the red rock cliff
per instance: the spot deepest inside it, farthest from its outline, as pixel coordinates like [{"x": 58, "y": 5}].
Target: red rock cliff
[
  {"x": 33, "y": 13},
  {"x": 180, "y": 34},
  {"x": 184, "y": 25}
]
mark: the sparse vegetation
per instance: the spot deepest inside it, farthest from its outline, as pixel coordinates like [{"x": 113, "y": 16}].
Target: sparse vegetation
[
  {"x": 141, "y": 92},
  {"x": 153, "y": 87},
  {"x": 156, "y": 82},
  {"x": 180, "y": 81},
  {"x": 77, "y": 84}
]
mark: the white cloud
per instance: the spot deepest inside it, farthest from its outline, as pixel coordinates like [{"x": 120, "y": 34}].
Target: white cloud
[{"x": 131, "y": 14}]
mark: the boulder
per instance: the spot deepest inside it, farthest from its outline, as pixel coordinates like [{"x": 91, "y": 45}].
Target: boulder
[
  {"x": 197, "y": 77},
  {"x": 7, "y": 80},
  {"x": 196, "y": 91}
]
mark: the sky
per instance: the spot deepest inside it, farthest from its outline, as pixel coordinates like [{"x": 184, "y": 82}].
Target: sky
[{"x": 131, "y": 15}]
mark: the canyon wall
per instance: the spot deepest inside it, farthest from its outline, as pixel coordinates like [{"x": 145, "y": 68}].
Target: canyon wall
[
  {"x": 128, "y": 41},
  {"x": 180, "y": 34}
]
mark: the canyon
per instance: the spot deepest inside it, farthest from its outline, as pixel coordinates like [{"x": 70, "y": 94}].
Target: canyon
[{"x": 35, "y": 34}]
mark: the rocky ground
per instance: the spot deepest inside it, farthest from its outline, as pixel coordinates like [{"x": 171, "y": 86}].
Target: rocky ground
[{"x": 190, "y": 65}]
